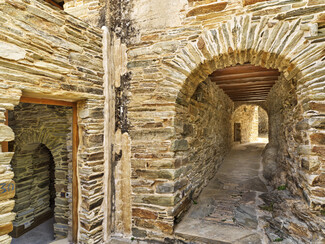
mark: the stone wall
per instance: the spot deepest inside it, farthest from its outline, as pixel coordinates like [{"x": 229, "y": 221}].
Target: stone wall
[
  {"x": 168, "y": 65},
  {"x": 90, "y": 11},
  {"x": 161, "y": 194},
  {"x": 247, "y": 117},
  {"x": 47, "y": 53},
  {"x": 263, "y": 122},
  {"x": 8, "y": 99},
  {"x": 291, "y": 159},
  {"x": 171, "y": 50},
  {"x": 204, "y": 130},
  {"x": 51, "y": 126}
]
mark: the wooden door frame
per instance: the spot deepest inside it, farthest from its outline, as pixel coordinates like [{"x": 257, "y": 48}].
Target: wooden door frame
[{"x": 75, "y": 143}]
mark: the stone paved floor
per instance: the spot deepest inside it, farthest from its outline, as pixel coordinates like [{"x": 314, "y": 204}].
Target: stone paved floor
[
  {"x": 227, "y": 209},
  {"x": 42, "y": 234}
]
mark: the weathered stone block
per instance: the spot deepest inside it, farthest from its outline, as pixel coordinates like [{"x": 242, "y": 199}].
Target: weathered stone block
[
  {"x": 139, "y": 233},
  {"x": 6, "y": 228},
  {"x": 11, "y": 51},
  {"x": 143, "y": 213},
  {"x": 250, "y": 2},
  {"x": 315, "y": 2},
  {"x": 155, "y": 200},
  {"x": 318, "y": 138},
  {"x": 5, "y": 239},
  {"x": 7, "y": 217},
  {"x": 215, "y": 7},
  {"x": 6, "y": 206},
  {"x": 156, "y": 174},
  {"x": 7, "y": 189},
  {"x": 180, "y": 145},
  {"x": 6, "y": 133}
]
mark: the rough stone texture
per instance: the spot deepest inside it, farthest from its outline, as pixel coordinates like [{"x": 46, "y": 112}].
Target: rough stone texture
[
  {"x": 263, "y": 122},
  {"x": 167, "y": 61},
  {"x": 204, "y": 139},
  {"x": 63, "y": 54},
  {"x": 168, "y": 65},
  {"x": 63, "y": 61},
  {"x": 90, "y": 11},
  {"x": 289, "y": 144},
  {"x": 43, "y": 146},
  {"x": 247, "y": 117}
]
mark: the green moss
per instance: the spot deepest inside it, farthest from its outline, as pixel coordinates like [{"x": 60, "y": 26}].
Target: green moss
[
  {"x": 282, "y": 188},
  {"x": 278, "y": 240}
]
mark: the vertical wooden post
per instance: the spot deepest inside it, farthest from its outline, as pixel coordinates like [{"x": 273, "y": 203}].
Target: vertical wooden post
[
  {"x": 75, "y": 192},
  {"x": 4, "y": 144}
]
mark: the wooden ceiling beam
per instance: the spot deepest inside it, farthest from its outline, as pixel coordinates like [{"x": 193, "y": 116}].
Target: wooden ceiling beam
[
  {"x": 243, "y": 80},
  {"x": 260, "y": 74},
  {"x": 248, "y": 95},
  {"x": 271, "y": 82},
  {"x": 249, "y": 100},
  {"x": 246, "y": 88},
  {"x": 246, "y": 68}
]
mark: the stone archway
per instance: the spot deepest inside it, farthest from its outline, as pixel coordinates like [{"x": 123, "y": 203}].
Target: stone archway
[
  {"x": 264, "y": 42},
  {"x": 278, "y": 45}
]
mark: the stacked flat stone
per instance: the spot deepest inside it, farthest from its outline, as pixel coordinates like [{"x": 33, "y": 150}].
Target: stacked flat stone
[
  {"x": 8, "y": 99},
  {"x": 50, "y": 53},
  {"x": 167, "y": 68}
]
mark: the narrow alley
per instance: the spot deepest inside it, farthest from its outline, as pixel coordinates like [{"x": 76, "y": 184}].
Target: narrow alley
[{"x": 227, "y": 210}]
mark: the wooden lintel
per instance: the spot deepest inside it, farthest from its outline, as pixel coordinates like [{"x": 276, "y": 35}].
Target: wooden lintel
[{"x": 46, "y": 101}]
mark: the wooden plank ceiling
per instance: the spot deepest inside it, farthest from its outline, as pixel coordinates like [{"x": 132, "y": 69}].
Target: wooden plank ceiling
[{"x": 245, "y": 82}]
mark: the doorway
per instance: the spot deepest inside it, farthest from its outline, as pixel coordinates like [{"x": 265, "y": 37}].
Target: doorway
[
  {"x": 44, "y": 165},
  {"x": 237, "y": 132}
]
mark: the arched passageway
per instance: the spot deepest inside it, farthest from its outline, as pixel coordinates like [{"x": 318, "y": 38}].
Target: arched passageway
[
  {"x": 181, "y": 131},
  {"x": 223, "y": 111}
]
